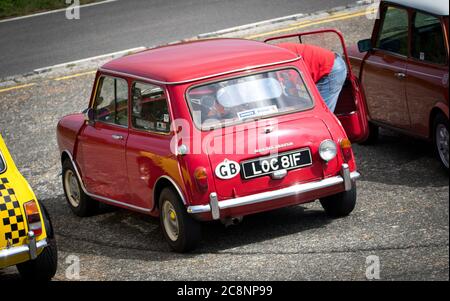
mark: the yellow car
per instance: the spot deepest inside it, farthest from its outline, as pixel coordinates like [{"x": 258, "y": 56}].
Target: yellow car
[{"x": 26, "y": 233}]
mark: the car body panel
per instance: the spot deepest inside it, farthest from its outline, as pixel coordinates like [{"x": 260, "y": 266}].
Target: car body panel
[
  {"x": 438, "y": 7},
  {"x": 148, "y": 157},
  {"x": 308, "y": 136},
  {"x": 103, "y": 160},
  {"x": 14, "y": 193},
  {"x": 213, "y": 56},
  {"x": 388, "y": 104},
  {"x": 426, "y": 89}
]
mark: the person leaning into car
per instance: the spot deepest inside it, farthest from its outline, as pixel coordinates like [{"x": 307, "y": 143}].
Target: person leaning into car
[{"x": 327, "y": 68}]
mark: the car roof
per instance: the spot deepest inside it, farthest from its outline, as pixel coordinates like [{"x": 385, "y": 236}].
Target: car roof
[
  {"x": 191, "y": 61},
  {"x": 436, "y": 7}
]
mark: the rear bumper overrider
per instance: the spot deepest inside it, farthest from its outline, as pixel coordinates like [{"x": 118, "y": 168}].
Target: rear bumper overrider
[{"x": 10, "y": 256}]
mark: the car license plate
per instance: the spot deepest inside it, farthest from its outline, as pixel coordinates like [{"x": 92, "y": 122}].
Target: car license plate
[{"x": 266, "y": 165}]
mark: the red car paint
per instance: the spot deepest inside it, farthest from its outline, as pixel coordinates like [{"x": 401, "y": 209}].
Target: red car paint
[
  {"x": 127, "y": 167},
  {"x": 414, "y": 91}
]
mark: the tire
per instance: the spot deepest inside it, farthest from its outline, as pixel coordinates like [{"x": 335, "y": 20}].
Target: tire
[
  {"x": 44, "y": 267},
  {"x": 441, "y": 139},
  {"x": 80, "y": 203},
  {"x": 341, "y": 204},
  {"x": 181, "y": 231},
  {"x": 374, "y": 131}
]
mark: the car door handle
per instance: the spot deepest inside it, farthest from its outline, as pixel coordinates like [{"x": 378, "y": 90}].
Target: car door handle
[
  {"x": 117, "y": 137},
  {"x": 400, "y": 75}
]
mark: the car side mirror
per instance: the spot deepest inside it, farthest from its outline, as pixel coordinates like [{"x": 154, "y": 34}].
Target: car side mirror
[
  {"x": 89, "y": 116},
  {"x": 365, "y": 45}
]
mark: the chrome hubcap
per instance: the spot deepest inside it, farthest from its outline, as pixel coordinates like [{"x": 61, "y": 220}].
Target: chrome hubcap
[
  {"x": 442, "y": 143},
  {"x": 170, "y": 221},
  {"x": 72, "y": 188}
]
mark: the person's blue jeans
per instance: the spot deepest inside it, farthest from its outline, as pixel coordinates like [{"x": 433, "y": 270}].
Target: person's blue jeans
[{"x": 330, "y": 85}]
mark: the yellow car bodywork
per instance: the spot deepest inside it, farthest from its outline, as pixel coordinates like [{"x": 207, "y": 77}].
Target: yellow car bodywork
[{"x": 17, "y": 245}]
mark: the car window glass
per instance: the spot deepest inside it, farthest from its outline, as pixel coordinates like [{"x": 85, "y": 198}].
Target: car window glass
[
  {"x": 2, "y": 164},
  {"x": 393, "y": 36},
  {"x": 149, "y": 108},
  {"x": 251, "y": 97},
  {"x": 428, "y": 40},
  {"x": 111, "y": 104}
]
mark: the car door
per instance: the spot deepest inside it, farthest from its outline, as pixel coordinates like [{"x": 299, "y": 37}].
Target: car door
[
  {"x": 102, "y": 143},
  {"x": 384, "y": 69},
  {"x": 351, "y": 107},
  {"x": 427, "y": 70},
  {"x": 148, "y": 147}
]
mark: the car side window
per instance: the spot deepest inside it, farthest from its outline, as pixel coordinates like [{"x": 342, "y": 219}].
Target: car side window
[
  {"x": 150, "y": 110},
  {"x": 111, "y": 103},
  {"x": 2, "y": 164},
  {"x": 428, "y": 42},
  {"x": 393, "y": 35}
]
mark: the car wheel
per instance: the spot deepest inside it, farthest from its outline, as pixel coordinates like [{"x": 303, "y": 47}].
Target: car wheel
[
  {"x": 440, "y": 139},
  {"x": 44, "y": 267},
  {"x": 181, "y": 231},
  {"x": 373, "y": 134},
  {"x": 341, "y": 204},
  {"x": 80, "y": 203}
]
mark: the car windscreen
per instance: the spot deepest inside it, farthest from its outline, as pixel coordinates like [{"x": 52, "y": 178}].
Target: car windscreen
[
  {"x": 2, "y": 163},
  {"x": 247, "y": 98}
]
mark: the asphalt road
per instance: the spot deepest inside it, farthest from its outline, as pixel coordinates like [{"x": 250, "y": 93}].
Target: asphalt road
[
  {"x": 401, "y": 214},
  {"x": 51, "y": 39}
]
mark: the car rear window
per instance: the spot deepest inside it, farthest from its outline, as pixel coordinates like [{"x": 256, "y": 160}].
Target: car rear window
[{"x": 247, "y": 98}]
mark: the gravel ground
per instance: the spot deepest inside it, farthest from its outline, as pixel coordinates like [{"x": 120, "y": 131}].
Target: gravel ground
[{"x": 401, "y": 215}]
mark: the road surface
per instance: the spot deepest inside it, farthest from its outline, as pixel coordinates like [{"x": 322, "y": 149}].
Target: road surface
[{"x": 46, "y": 40}]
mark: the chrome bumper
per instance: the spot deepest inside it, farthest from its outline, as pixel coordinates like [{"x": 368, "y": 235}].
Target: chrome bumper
[
  {"x": 346, "y": 178},
  {"x": 32, "y": 249}
]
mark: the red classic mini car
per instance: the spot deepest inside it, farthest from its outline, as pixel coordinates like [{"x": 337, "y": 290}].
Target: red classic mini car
[
  {"x": 403, "y": 68},
  {"x": 209, "y": 130}
]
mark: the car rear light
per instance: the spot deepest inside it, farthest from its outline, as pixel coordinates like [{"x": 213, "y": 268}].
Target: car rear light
[
  {"x": 33, "y": 217},
  {"x": 201, "y": 178},
  {"x": 327, "y": 150},
  {"x": 346, "y": 147}
]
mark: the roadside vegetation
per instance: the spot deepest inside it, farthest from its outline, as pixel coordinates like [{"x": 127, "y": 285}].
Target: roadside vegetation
[{"x": 15, "y": 8}]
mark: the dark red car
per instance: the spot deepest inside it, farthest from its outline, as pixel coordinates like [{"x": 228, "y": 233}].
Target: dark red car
[
  {"x": 403, "y": 68},
  {"x": 209, "y": 130}
]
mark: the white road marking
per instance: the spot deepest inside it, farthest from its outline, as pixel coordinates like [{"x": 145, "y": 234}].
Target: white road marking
[
  {"x": 112, "y": 55},
  {"x": 251, "y": 25},
  {"x": 54, "y": 11}
]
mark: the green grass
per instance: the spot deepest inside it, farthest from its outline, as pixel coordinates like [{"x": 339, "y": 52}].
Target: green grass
[{"x": 14, "y": 8}]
